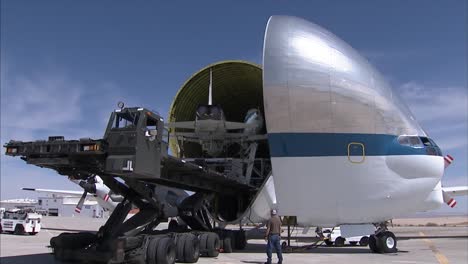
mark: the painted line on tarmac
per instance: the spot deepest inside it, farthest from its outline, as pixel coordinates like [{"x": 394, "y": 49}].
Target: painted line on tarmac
[{"x": 439, "y": 256}]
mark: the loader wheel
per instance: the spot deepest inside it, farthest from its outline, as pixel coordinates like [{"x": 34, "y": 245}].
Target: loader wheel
[
  {"x": 166, "y": 253},
  {"x": 212, "y": 245},
  {"x": 180, "y": 247},
  {"x": 19, "y": 230},
  {"x": 203, "y": 237},
  {"x": 191, "y": 249},
  {"x": 151, "y": 250},
  {"x": 227, "y": 244},
  {"x": 188, "y": 248}
]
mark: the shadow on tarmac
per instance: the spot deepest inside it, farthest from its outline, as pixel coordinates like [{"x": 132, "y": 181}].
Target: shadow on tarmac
[
  {"x": 27, "y": 259},
  {"x": 261, "y": 248}
]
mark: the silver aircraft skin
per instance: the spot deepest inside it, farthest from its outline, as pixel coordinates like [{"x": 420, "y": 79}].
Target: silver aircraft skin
[{"x": 334, "y": 123}]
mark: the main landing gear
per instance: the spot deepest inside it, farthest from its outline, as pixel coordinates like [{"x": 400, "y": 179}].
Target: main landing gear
[{"x": 383, "y": 241}]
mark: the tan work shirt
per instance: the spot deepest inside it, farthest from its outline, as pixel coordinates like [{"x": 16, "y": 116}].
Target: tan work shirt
[{"x": 274, "y": 226}]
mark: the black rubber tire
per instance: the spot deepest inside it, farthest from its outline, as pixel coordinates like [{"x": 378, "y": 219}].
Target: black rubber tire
[
  {"x": 33, "y": 233},
  {"x": 328, "y": 242},
  {"x": 191, "y": 249},
  {"x": 339, "y": 242},
  {"x": 373, "y": 244},
  {"x": 384, "y": 246},
  {"x": 212, "y": 245},
  {"x": 180, "y": 245},
  {"x": 203, "y": 237},
  {"x": 151, "y": 250},
  {"x": 353, "y": 243},
  {"x": 240, "y": 240},
  {"x": 166, "y": 253},
  {"x": 227, "y": 244},
  {"x": 364, "y": 241},
  {"x": 19, "y": 230},
  {"x": 1, "y": 230}
]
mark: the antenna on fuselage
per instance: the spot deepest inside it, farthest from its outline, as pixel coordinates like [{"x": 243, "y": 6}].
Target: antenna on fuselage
[{"x": 210, "y": 89}]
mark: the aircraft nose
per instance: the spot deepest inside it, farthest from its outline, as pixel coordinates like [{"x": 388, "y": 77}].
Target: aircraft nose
[{"x": 416, "y": 166}]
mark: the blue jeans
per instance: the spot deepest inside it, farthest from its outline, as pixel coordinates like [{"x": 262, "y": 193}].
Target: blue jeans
[{"x": 274, "y": 241}]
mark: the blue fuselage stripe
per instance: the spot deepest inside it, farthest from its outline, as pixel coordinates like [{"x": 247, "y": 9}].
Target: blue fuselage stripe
[{"x": 337, "y": 144}]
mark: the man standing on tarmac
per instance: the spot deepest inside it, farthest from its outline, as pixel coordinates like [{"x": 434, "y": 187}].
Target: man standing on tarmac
[{"x": 273, "y": 236}]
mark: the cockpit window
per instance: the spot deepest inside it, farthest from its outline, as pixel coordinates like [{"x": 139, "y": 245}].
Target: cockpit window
[
  {"x": 125, "y": 120},
  {"x": 426, "y": 141},
  {"x": 403, "y": 140},
  {"x": 411, "y": 141}
]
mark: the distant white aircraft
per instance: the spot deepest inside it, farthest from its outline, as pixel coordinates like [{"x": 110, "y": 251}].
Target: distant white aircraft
[{"x": 101, "y": 193}]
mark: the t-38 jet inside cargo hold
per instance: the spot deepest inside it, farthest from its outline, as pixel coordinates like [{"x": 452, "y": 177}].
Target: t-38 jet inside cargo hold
[
  {"x": 330, "y": 119},
  {"x": 214, "y": 133}
]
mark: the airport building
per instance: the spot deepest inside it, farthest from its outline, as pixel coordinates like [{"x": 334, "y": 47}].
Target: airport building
[
  {"x": 56, "y": 206},
  {"x": 65, "y": 206}
]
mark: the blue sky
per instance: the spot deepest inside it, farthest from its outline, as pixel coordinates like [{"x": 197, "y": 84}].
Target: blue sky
[{"x": 65, "y": 64}]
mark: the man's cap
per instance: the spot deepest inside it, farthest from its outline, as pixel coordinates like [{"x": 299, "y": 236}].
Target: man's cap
[{"x": 273, "y": 211}]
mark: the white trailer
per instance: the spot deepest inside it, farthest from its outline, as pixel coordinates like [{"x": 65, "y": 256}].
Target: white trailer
[
  {"x": 333, "y": 237},
  {"x": 20, "y": 222}
]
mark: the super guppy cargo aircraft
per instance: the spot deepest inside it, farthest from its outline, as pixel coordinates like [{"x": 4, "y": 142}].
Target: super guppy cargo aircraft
[{"x": 331, "y": 120}]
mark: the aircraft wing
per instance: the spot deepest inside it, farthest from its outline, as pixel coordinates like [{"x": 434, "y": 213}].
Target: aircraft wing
[
  {"x": 182, "y": 124},
  {"x": 50, "y": 191},
  {"x": 456, "y": 190}
]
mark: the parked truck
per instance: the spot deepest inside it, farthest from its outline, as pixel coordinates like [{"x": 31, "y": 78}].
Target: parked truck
[{"x": 20, "y": 222}]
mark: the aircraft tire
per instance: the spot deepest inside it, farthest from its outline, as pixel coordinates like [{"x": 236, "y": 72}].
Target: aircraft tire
[
  {"x": 364, "y": 241},
  {"x": 340, "y": 242},
  {"x": 191, "y": 249},
  {"x": 328, "y": 242},
  {"x": 212, "y": 245},
  {"x": 387, "y": 242},
  {"x": 373, "y": 244},
  {"x": 166, "y": 253}
]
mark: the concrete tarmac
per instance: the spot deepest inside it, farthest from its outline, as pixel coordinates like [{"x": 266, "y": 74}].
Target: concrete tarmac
[{"x": 416, "y": 245}]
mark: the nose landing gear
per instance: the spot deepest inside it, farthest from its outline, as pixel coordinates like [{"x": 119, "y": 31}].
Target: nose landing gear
[{"x": 383, "y": 242}]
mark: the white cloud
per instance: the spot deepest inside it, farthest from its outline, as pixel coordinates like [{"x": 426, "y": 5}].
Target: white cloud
[
  {"x": 435, "y": 103},
  {"x": 442, "y": 111},
  {"x": 48, "y": 103}
]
